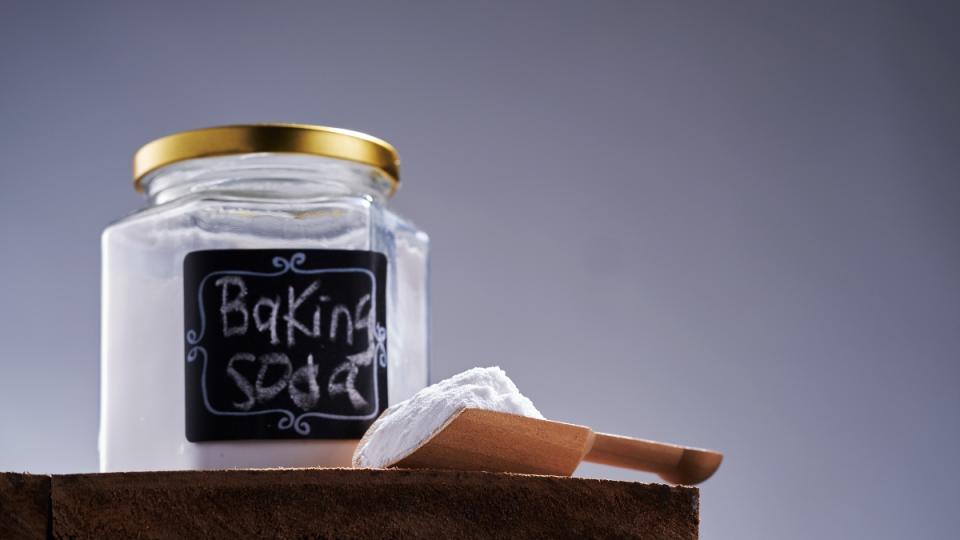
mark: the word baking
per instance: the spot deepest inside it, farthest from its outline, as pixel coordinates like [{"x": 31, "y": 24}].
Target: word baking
[
  {"x": 301, "y": 385},
  {"x": 268, "y": 314}
]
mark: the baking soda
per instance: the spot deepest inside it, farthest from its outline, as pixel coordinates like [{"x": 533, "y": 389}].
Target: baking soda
[
  {"x": 405, "y": 426},
  {"x": 142, "y": 374}
]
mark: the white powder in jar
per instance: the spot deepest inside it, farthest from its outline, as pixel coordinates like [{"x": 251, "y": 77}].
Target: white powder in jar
[
  {"x": 404, "y": 426},
  {"x": 142, "y": 376}
]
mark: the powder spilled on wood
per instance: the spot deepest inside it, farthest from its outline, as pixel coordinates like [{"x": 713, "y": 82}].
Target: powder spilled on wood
[{"x": 404, "y": 426}]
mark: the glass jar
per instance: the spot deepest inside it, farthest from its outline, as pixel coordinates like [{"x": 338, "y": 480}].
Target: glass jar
[{"x": 264, "y": 307}]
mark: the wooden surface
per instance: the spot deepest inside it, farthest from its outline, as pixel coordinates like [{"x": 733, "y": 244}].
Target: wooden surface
[
  {"x": 344, "y": 503},
  {"x": 24, "y": 506}
]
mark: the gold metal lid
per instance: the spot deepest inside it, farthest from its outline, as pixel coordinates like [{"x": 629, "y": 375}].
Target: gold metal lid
[{"x": 253, "y": 138}]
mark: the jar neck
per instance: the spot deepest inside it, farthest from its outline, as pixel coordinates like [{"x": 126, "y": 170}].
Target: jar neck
[{"x": 267, "y": 177}]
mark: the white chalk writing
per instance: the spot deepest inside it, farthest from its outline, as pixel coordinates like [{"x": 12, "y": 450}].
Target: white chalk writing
[
  {"x": 301, "y": 385},
  {"x": 242, "y": 383},
  {"x": 271, "y": 322},
  {"x": 283, "y": 319},
  {"x": 235, "y": 305}
]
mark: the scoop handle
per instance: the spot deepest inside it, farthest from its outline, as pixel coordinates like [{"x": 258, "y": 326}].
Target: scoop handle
[{"x": 675, "y": 464}]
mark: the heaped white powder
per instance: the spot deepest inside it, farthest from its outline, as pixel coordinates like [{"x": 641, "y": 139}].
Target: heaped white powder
[{"x": 404, "y": 426}]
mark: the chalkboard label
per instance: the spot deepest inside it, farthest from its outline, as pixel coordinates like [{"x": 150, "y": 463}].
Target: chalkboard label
[{"x": 284, "y": 344}]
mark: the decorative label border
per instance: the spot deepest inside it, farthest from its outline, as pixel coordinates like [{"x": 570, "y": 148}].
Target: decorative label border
[{"x": 376, "y": 349}]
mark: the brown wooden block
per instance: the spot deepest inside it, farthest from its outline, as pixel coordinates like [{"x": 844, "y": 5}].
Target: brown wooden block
[
  {"x": 345, "y": 503},
  {"x": 24, "y": 505}
]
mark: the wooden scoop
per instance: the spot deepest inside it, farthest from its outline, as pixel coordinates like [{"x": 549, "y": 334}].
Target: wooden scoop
[{"x": 481, "y": 440}]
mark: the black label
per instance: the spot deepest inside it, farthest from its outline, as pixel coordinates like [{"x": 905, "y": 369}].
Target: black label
[{"x": 284, "y": 344}]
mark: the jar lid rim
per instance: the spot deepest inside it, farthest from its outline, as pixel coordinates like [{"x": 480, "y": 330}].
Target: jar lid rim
[{"x": 275, "y": 138}]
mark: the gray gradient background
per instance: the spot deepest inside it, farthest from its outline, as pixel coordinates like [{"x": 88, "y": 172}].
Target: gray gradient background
[{"x": 738, "y": 222}]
